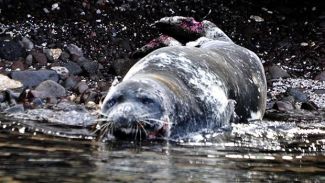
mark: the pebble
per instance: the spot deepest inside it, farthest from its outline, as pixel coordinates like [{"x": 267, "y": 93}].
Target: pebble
[
  {"x": 27, "y": 43},
  {"x": 11, "y": 50},
  {"x": 40, "y": 58},
  {"x": 283, "y": 106},
  {"x": 7, "y": 83},
  {"x": 256, "y": 18},
  {"x": 49, "y": 89},
  {"x": 82, "y": 87},
  {"x": 31, "y": 78},
  {"x": 276, "y": 72},
  {"x": 75, "y": 50},
  {"x": 74, "y": 68},
  {"x": 15, "y": 109},
  {"x": 62, "y": 71},
  {"x": 320, "y": 76},
  {"x": 29, "y": 60}
]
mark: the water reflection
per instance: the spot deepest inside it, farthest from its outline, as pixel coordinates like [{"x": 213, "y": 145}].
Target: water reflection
[{"x": 257, "y": 152}]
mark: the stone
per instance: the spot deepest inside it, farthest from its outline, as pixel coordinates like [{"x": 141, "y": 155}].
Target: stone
[
  {"x": 62, "y": 71},
  {"x": 27, "y": 43},
  {"x": 11, "y": 50},
  {"x": 276, "y": 72},
  {"x": 320, "y": 76},
  {"x": 49, "y": 89},
  {"x": 75, "y": 50},
  {"x": 31, "y": 78},
  {"x": 283, "y": 106},
  {"x": 15, "y": 109},
  {"x": 310, "y": 106},
  {"x": 18, "y": 65},
  {"x": 40, "y": 58},
  {"x": 74, "y": 68},
  {"x": 82, "y": 87},
  {"x": 7, "y": 83},
  {"x": 71, "y": 82},
  {"x": 29, "y": 60},
  {"x": 53, "y": 54},
  {"x": 91, "y": 68},
  {"x": 297, "y": 94}
]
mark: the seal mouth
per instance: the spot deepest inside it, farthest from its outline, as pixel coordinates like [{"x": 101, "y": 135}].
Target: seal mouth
[{"x": 139, "y": 131}]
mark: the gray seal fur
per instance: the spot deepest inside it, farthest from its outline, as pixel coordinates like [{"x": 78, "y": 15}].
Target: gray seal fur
[{"x": 177, "y": 90}]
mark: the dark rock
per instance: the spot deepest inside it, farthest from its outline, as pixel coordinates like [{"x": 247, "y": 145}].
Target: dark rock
[
  {"x": 18, "y": 65},
  {"x": 89, "y": 96},
  {"x": 297, "y": 94},
  {"x": 74, "y": 68},
  {"x": 319, "y": 91},
  {"x": 75, "y": 50},
  {"x": 49, "y": 89},
  {"x": 37, "y": 102},
  {"x": 11, "y": 50},
  {"x": 320, "y": 76},
  {"x": 122, "y": 66},
  {"x": 40, "y": 58},
  {"x": 62, "y": 71},
  {"x": 33, "y": 78},
  {"x": 82, "y": 87},
  {"x": 283, "y": 106},
  {"x": 64, "y": 56},
  {"x": 310, "y": 106},
  {"x": 29, "y": 60},
  {"x": 70, "y": 83},
  {"x": 276, "y": 72},
  {"x": 91, "y": 68},
  {"x": 15, "y": 109},
  {"x": 27, "y": 44}
]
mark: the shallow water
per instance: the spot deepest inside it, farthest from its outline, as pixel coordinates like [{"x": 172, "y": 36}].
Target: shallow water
[{"x": 264, "y": 151}]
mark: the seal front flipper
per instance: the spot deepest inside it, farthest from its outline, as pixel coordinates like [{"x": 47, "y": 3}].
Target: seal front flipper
[
  {"x": 161, "y": 41},
  {"x": 187, "y": 29}
]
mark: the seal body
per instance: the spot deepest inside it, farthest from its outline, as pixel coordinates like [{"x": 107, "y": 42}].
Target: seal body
[
  {"x": 195, "y": 89},
  {"x": 178, "y": 90}
]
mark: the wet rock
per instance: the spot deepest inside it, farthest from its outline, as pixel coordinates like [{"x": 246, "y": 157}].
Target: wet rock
[
  {"x": 276, "y": 72},
  {"x": 18, "y": 65},
  {"x": 53, "y": 54},
  {"x": 297, "y": 94},
  {"x": 71, "y": 82},
  {"x": 122, "y": 66},
  {"x": 89, "y": 96},
  {"x": 29, "y": 60},
  {"x": 74, "y": 68},
  {"x": 15, "y": 109},
  {"x": 75, "y": 50},
  {"x": 91, "y": 68},
  {"x": 7, "y": 83},
  {"x": 62, "y": 71},
  {"x": 283, "y": 106},
  {"x": 37, "y": 103},
  {"x": 310, "y": 106},
  {"x": 11, "y": 50},
  {"x": 49, "y": 89},
  {"x": 40, "y": 58},
  {"x": 320, "y": 76},
  {"x": 82, "y": 87},
  {"x": 27, "y": 44},
  {"x": 64, "y": 56},
  {"x": 319, "y": 91},
  {"x": 31, "y": 78}
]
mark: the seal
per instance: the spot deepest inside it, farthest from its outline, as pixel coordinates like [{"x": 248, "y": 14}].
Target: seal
[{"x": 177, "y": 90}]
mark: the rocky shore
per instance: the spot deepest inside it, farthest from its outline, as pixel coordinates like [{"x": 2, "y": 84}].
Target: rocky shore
[{"x": 69, "y": 52}]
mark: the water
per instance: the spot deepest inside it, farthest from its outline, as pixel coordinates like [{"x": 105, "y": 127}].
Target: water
[{"x": 264, "y": 151}]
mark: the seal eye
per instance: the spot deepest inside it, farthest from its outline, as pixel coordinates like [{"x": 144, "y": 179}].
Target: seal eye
[{"x": 146, "y": 100}]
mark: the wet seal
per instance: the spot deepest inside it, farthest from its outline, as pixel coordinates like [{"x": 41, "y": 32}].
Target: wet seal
[{"x": 177, "y": 90}]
